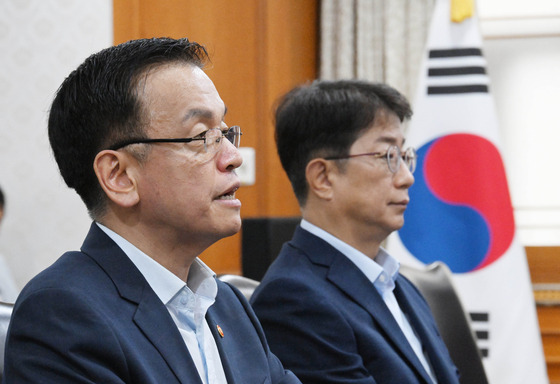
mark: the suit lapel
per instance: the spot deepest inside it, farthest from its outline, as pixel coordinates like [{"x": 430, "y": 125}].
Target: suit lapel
[
  {"x": 151, "y": 315},
  {"x": 156, "y": 323},
  {"x": 213, "y": 323},
  {"x": 241, "y": 342},
  {"x": 367, "y": 296},
  {"x": 347, "y": 277},
  {"x": 424, "y": 328}
]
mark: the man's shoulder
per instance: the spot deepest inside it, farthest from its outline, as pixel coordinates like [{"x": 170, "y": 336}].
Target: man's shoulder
[
  {"x": 73, "y": 271},
  {"x": 290, "y": 267},
  {"x": 296, "y": 263},
  {"x": 292, "y": 277}
]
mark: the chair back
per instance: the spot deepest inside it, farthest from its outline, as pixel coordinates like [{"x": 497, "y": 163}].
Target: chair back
[
  {"x": 5, "y": 316},
  {"x": 435, "y": 284},
  {"x": 246, "y": 285},
  {"x": 261, "y": 241}
]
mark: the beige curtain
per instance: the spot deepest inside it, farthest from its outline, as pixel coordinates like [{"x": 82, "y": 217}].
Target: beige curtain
[{"x": 376, "y": 40}]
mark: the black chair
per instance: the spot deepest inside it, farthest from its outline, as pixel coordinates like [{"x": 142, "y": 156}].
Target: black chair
[
  {"x": 5, "y": 316},
  {"x": 261, "y": 240},
  {"x": 435, "y": 284}
]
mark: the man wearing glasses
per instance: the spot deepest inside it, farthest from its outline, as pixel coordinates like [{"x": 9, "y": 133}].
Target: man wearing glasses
[
  {"x": 138, "y": 131},
  {"x": 333, "y": 305}
]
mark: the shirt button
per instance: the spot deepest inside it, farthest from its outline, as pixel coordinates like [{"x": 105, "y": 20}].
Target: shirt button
[{"x": 382, "y": 278}]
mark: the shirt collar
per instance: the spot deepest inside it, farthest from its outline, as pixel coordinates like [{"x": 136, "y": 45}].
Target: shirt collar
[
  {"x": 164, "y": 283},
  {"x": 382, "y": 271}
]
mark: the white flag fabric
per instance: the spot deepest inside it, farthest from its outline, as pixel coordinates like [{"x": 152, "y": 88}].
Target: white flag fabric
[{"x": 461, "y": 211}]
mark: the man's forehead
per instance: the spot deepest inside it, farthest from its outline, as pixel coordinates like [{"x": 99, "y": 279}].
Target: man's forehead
[
  {"x": 204, "y": 113},
  {"x": 385, "y": 130}
]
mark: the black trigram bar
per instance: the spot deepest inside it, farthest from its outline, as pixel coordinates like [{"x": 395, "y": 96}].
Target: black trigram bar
[
  {"x": 456, "y": 71},
  {"x": 481, "y": 335},
  {"x": 452, "y": 89},
  {"x": 439, "y": 53},
  {"x": 481, "y": 317}
]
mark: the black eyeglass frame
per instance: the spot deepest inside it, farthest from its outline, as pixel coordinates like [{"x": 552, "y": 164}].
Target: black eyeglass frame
[
  {"x": 403, "y": 154},
  {"x": 232, "y": 134}
]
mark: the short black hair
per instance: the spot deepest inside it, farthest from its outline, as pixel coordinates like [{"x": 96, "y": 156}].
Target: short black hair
[
  {"x": 98, "y": 104},
  {"x": 324, "y": 118}
]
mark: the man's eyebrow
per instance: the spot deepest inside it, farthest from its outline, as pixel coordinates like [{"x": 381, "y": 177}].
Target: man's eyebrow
[
  {"x": 390, "y": 140},
  {"x": 204, "y": 113}
]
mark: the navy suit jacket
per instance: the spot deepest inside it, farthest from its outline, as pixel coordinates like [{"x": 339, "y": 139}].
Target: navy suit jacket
[
  {"x": 91, "y": 317},
  {"x": 328, "y": 324}
]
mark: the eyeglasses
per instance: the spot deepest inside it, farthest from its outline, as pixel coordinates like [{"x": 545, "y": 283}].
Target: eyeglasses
[
  {"x": 212, "y": 139},
  {"x": 394, "y": 156}
]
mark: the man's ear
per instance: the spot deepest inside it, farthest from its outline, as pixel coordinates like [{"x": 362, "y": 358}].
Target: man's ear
[
  {"x": 318, "y": 175},
  {"x": 113, "y": 170}
]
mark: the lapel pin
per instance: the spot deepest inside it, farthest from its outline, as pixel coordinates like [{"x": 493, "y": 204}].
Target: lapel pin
[{"x": 220, "y": 330}]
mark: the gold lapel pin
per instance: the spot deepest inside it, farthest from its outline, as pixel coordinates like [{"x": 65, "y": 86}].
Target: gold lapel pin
[{"x": 220, "y": 330}]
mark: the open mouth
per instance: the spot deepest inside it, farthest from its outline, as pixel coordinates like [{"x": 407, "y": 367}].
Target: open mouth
[{"x": 228, "y": 195}]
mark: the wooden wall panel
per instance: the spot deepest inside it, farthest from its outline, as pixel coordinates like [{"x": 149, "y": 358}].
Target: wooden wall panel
[
  {"x": 291, "y": 51},
  {"x": 259, "y": 50},
  {"x": 544, "y": 264}
]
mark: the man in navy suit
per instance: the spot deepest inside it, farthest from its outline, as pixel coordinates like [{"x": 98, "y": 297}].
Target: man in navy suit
[
  {"x": 333, "y": 305},
  {"x": 138, "y": 131}
]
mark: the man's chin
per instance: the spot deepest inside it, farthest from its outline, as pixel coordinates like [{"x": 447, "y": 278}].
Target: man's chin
[
  {"x": 231, "y": 228},
  {"x": 397, "y": 225}
]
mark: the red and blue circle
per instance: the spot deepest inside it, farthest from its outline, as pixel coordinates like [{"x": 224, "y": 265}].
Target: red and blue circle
[{"x": 460, "y": 210}]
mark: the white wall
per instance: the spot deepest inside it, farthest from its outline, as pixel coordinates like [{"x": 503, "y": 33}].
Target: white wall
[
  {"x": 522, "y": 46},
  {"x": 42, "y": 42}
]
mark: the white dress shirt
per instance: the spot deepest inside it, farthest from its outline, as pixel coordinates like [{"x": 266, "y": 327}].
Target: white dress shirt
[
  {"x": 382, "y": 272},
  {"x": 187, "y": 304}
]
